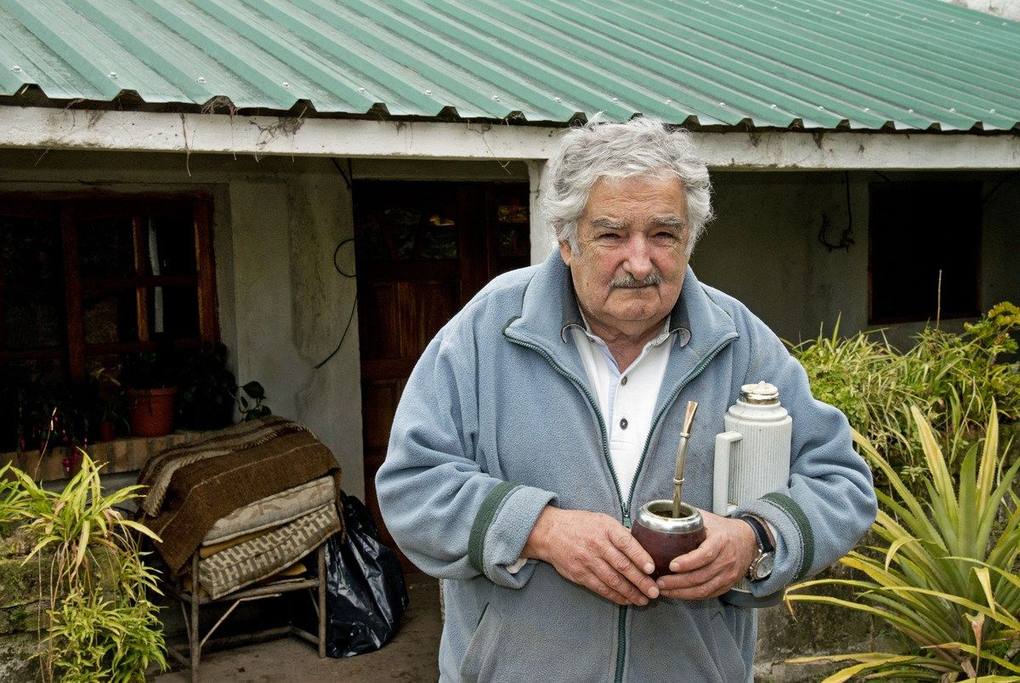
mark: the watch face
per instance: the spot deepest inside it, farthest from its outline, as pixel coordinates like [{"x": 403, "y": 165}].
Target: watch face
[{"x": 763, "y": 567}]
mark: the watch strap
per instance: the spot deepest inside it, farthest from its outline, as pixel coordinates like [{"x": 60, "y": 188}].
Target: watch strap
[{"x": 764, "y": 542}]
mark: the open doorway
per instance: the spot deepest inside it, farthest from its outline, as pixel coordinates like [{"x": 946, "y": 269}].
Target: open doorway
[{"x": 423, "y": 250}]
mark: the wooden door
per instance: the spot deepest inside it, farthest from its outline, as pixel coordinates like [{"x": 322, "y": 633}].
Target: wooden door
[{"x": 423, "y": 250}]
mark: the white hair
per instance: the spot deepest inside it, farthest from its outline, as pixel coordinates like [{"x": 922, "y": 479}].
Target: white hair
[{"x": 639, "y": 147}]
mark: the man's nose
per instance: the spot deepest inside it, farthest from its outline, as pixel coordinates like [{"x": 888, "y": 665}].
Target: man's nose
[{"x": 639, "y": 258}]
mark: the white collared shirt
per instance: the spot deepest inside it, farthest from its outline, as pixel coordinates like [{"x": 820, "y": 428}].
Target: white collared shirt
[
  {"x": 626, "y": 401},
  {"x": 626, "y": 398}
]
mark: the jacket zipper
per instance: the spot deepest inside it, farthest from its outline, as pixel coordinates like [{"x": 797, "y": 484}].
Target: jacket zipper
[
  {"x": 672, "y": 397},
  {"x": 621, "y": 621},
  {"x": 598, "y": 416}
]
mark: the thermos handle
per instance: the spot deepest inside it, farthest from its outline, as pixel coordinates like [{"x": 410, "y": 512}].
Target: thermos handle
[{"x": 724, "y": 444}]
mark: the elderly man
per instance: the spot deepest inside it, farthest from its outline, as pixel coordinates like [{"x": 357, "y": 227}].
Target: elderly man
[{"x": 549, "y": 408}]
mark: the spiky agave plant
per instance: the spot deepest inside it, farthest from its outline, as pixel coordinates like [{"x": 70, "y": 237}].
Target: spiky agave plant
[{"x": 945, "y": 576}]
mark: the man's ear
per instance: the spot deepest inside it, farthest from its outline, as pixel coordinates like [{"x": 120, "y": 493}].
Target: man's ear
[{"x": 566, "y": 253}]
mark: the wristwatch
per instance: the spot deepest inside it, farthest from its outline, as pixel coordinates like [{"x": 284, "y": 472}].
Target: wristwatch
[{"x": 761, "y": 566}]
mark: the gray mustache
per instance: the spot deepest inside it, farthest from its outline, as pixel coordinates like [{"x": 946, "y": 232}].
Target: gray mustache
[{"x": 630, "y": 282}]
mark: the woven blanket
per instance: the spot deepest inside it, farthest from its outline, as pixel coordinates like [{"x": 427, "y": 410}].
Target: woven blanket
[
  {"x": 262, "y": 460},
  {"x": 160, "y": 468},
  {"x": 266, "y": 554},
  {"x": 272, "y": 511},
  {"x": 205, "y": 551}
]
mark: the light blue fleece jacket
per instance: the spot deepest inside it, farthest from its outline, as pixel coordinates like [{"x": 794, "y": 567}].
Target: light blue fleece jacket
[{"x": 497, "y": 421}]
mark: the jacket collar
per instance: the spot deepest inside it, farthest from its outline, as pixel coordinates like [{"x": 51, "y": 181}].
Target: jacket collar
[{"x": 549, "y": 309}]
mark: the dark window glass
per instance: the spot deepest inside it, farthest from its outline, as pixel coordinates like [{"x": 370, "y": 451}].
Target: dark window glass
[
  {"x": 173, "y": 312},
  {"x": 406, "y": 232},
  {"x": 106, "y": 247},
  {"x": 172, "y": 244},
  {"x": 31, "y": 283},
  {"x": 110, "y": 317},
  {"x": 925, "y": 246}
]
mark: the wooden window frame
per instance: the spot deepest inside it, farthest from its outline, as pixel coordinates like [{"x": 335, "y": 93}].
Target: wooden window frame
[{"x": 69, "y": 208}]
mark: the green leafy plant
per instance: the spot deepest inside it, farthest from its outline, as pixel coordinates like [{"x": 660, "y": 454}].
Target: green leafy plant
[
  {"x": 102, "y": 625},
  {"x": 206, "y": 389},
  {"x": 953, "y": 378},
  {"x": 945, "y": 576},
  {"x": 96, "y": 634},
  {"x": 150, "y": 369},
  {"x": 109, "y": 406},
  {"x": 12, "y": 497}
]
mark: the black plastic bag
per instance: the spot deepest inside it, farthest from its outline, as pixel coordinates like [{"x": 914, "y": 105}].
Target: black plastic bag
[{"x": 365, "y": 591}]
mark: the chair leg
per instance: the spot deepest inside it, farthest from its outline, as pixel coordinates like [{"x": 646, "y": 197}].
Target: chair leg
[
  {"x": 195, "y": 645},
  {"x": 322, "y": 600}
]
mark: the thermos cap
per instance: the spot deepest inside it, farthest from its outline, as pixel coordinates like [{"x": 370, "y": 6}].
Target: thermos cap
[{"x": 761, "y": 393}]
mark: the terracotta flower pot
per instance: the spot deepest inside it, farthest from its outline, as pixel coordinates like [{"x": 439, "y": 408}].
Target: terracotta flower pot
[{"x": 151, "y": 411}]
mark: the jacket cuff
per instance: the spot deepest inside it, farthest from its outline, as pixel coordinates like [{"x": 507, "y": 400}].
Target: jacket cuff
[
  {"x": 501, "y": 529},
  {"x": 795, "y": 541}
]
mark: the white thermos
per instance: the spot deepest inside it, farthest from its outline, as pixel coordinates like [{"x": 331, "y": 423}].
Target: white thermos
[{"x": 752, "y": 457}]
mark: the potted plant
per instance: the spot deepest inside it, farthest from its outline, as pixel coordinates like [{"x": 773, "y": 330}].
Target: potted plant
[
  {"x": 205, "y": 390},
  {"x": 109, "y": 405},
  {"x": 151, "y": 390}
]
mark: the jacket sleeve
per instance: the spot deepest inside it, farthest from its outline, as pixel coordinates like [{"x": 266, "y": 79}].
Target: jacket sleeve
[
  {"x": 829, "y": 502},
  {"x": 447, "y": 514}
]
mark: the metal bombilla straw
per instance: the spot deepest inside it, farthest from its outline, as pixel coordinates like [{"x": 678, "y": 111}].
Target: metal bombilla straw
[{"x": 681, "y": 456}]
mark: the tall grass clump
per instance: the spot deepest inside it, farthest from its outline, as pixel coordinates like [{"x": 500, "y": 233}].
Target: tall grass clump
[
  {"x": 952, "y": 378},
  {"x": 101, "y": 624}
]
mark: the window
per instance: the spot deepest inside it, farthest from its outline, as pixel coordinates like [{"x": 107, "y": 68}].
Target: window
[
  {"x": 924, "y": 251},
  {"x": 85, "y": 281}
]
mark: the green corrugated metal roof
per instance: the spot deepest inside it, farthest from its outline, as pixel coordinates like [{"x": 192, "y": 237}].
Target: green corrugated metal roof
[{"x": 859, "y": 64}]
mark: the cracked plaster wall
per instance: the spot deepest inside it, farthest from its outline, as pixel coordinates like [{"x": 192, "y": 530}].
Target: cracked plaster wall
[
  {"x": 276, "y": 223},
  {"x": 282, "y": 307},
  {"x": 763, "y": 247}
]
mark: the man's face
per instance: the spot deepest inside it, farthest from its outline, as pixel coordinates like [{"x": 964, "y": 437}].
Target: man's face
[{"x": 632, "y": 238}]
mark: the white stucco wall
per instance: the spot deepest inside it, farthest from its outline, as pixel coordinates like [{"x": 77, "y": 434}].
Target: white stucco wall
[
  {"x": 763, "y": 247},
  {"x": 281, "y": 305},
  {"x": 1007, "y": 9}
]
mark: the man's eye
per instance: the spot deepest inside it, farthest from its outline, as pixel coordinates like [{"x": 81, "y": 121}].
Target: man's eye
[
  {"x": 609, "y": 236},
  {"x": 665, "y": 236}
]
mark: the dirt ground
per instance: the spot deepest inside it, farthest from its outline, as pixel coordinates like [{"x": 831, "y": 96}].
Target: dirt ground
[{"x": 410, "y": 656}]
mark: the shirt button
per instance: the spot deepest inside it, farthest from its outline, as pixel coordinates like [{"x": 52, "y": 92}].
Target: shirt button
[
  {"x": 623, "y": 380},
  {"x": 623, "y": 423}
]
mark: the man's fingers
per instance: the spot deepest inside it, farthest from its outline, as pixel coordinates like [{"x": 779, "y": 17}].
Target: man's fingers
[
  {"x": 624, "y": 541},
  {"x": 623, "y": 564},
  {"x": 619, "y": 583},
  {"x": 706, "y": 583},
  {"x": 593, "y": 583},
  {"x": 702, "y": 556},
  {"x": 711, "y": 589},
  {"x": 692, "y": 579}
]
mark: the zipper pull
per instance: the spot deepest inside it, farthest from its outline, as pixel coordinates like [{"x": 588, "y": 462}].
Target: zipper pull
[{"x": 626, "y": 518}]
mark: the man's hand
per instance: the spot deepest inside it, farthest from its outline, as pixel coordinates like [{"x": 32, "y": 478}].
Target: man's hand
[
  {"x": 715, "y": 566},
  {"x": 595, "y": 551}
]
